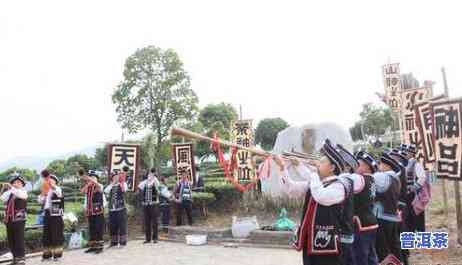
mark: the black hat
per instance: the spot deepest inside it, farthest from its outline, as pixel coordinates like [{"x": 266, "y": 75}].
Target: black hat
[
  {"x": 387, "y": 159},
  {"x": 93, "y": 173},
  {"x": 368, "y": 159},
  {"x": 15, "y": 177},
  {"x": 403, "y": 147},
  {"x": 402, "y": 156},
  {"x": 412, "y": 149},
  {"x": 348, "y": 157},
  {"x": 55, "y": 178},
  {"x": 335, "y": 158},
  {"x": 45, "y": 173}
]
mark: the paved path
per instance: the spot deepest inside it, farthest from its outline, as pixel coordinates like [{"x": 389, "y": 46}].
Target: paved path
[{"x": 166, "y": 253}]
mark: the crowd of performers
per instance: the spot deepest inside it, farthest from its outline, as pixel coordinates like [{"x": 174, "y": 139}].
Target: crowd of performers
[
  {"x": 356, "y": 206},
  {"x": 153, "y": 193}
]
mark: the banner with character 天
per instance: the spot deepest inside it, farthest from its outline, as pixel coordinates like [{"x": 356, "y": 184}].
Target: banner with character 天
[
  {"x": 447, "y": 138},
  {"x": 121, "y": 155}
]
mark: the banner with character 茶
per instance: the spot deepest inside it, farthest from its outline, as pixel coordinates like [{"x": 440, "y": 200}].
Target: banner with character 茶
[
  {"x": 121, "y": 155},
  {"x": 446, "y": 123},
  {"x": 242, "y": 134},
  {"x": 183, "y": 160}
]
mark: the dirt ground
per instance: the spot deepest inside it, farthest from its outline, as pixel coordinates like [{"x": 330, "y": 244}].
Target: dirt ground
[{"x": 435, "y": 221}]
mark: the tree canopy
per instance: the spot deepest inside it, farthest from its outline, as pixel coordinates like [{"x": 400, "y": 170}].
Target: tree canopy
[
  {"x": 374, "y": 121},
  {"x": 267, "y": 132},
  {"x": 154, "y": 94}
]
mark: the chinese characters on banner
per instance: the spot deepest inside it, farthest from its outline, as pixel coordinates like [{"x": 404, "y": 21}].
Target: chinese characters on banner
[
  {"x": 242, "y": 134},
  {"x": 121, "y": 155},
  {"x": 392, "y": 79},
  {"x": 410, "y": 98},
  {"x": 423, "y": 113},
  {"x": 183, "y": 161},
  {"x": 448, "y": 141}
]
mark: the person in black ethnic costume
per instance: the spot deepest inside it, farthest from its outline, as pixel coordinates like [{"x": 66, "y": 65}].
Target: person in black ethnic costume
[
  {"x": 15, "y": 216},
  {"x": 117, "y": 209},
  {"x": 164, "y": 204},
  {"x": 321, "y": 225},
  {"x": 388, "y": 187},
  {"x": 94, "y": 210},
  {"x": 53, "y": 229},
  {"x": 416, "y": 178},
  {"x": 183, "y": 195},
  {"x": 149, "y": 190},
  {"x": 364, "y": 219}
]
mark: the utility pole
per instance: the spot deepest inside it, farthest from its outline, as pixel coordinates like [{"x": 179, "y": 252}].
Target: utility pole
[{"x": 456, "y": 183}]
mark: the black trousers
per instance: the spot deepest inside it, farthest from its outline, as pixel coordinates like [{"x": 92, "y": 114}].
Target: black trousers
[
  {"x": 347, "y": 253},
  {"x": 53, "y": 236},
  {"x": 321, "y": 260},
  {"x": 96, "y": 230},
  {"x": 151, "y": 219},
  {"x": 388, "y": 241},
  {"x": 15, "y": 234},
  {"x": 185, "y": 206},
  {"x": 165, "y": 211},
  {"x": 118, "y": 227}
]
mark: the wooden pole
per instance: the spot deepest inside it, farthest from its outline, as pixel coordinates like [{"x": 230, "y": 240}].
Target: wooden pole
[{"x": 456, "y": 183}]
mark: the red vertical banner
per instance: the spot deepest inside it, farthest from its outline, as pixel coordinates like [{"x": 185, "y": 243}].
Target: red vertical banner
[{"x": 447, "y": 138}]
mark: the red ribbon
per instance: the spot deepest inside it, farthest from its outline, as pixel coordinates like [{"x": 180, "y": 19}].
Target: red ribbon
[{"x": 229, "y": 165}]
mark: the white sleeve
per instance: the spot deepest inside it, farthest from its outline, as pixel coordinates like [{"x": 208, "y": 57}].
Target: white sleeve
[
  {"x": 326, "y": 196},
  {"x": 142, "y": 184},
  {"x": 108, "y": 188},
  {"x": 5, "y": 196},
  {"x": 58, "y": 191},
  {"x": 125, "y": 186},
  {"x": 296, "y": 188},
  {"x": 104, "y": 201},
  {"x": 20, "y": 193},
  {"x": 358, "y": 181},
  {"x": 420, "y": 174},
  {"x": 382, "y": 181},
  {"x": 41, "y": 199}
]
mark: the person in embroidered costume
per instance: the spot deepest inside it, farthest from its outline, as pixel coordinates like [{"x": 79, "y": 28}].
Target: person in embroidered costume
[
  {"x": 94, "y": 205},
  {"x": 53, "y": 228},
  {"x": 15, "y": 199}
]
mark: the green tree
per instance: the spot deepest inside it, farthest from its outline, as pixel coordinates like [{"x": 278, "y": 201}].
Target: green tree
[
  {"x": 58, "y": 167},
  {"x": 267, "y": 131},
  {"x": 75, "y": 162},
  {"x": 154, "y": 94},
  {"x": 101, "y": 156},
  {"x": 214, "y": 118},
  {"x": 28, "y": 174},
  {"x": 374, "y": 121}
]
